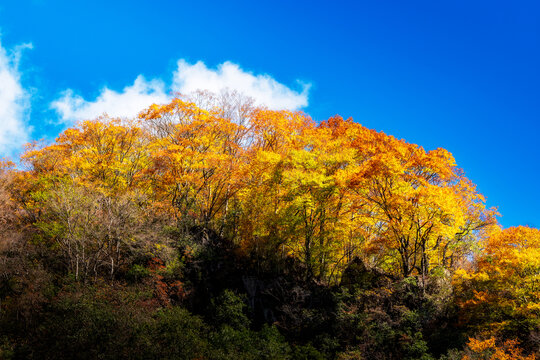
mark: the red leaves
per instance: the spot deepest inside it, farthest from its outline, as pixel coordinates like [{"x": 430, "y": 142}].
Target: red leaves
[{"x": 166, "y": 290}]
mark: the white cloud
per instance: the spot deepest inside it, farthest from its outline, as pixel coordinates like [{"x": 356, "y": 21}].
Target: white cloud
[
  {"x": 14, "y": 103},
  {"x": 128, "y": 103},
  {"x": 262, "y": 88},
  {"x": 186, "y": 79}
]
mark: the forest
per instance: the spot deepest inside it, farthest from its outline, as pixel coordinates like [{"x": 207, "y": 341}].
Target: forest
[{"x": 210, "y": 228}]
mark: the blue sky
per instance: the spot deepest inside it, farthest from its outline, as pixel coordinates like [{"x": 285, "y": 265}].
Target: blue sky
[{"x": 463, "y": 75}]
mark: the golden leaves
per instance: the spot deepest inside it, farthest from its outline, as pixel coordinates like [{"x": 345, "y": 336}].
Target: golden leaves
[{"x": 337, "y": 184}]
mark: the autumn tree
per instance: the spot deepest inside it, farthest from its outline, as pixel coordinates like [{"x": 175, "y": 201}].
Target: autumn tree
[
  {"x": 196, "y": 161},
  {"x": 501, "y": 296},
  {"x": 277, "y": 182},
  {"x": 488, "y": 349},
  {"x": 424, "y": 210},
  {"x": 315, "y": 203},
  {"x": 94, "y": 232},
  {"x": 89, "y": 195},
  {"x": 110, "y": 155}
]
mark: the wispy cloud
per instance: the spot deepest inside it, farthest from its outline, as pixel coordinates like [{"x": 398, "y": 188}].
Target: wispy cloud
[
  {"x": 187, "y": 78},
  {"x": 14, "y": 102},
  {"x": 127, "y": 103}
]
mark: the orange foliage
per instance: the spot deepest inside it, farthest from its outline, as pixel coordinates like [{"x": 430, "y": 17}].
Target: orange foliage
[
  {"x": 487, "y": 349},
  {"x": 505, "y": 283},
  {"x": 277, "y": 182}
]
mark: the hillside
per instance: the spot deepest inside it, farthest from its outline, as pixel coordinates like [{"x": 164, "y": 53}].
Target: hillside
[{"x": 210, "y": 228}]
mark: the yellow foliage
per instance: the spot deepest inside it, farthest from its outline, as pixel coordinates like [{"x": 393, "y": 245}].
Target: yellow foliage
[{"x": 322, "y": 193}]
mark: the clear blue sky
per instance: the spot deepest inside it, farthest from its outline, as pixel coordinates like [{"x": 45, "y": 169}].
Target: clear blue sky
[{"x": 463, "y": 75}]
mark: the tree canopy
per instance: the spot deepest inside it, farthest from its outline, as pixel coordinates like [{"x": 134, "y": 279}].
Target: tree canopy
[{"x": 210, "y": 187}]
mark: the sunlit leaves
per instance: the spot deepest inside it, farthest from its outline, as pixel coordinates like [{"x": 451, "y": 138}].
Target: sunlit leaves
[
  {"x": 275, "y": 180},
  {"x": 501, "y": 295},
  {"x": 426, "y": 209}
]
